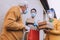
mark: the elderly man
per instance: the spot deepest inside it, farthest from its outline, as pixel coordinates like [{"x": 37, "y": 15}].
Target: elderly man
[{"x": 13, "y": 25}]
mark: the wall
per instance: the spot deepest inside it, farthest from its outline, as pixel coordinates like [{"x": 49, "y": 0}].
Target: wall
[
  {"x": 6, "y": 4},
  {"x": 56, "y": 5}
]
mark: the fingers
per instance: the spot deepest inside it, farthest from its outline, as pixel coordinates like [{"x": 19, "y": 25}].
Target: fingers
[
  {"x": 42, "y": 23},
  {"x": 42, "y": 27}
]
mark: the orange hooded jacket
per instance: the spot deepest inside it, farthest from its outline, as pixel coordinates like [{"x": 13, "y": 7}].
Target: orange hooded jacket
[{"x": 13, "y": 25}]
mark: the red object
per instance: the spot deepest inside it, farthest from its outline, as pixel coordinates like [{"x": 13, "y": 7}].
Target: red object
[{"x": 33, "y": 35}]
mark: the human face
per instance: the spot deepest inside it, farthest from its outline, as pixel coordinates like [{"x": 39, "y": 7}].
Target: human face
[
  {"x": 50, "y": 14},
  {"x": 33, "y": 13},
  {"x": 24, "y": 9}
]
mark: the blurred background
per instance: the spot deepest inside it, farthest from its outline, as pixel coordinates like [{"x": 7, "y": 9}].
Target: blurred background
[{"x": 5, "y": 5}]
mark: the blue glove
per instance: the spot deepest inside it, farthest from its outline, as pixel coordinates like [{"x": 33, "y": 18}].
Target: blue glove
[{"x": 35, "y": 24}]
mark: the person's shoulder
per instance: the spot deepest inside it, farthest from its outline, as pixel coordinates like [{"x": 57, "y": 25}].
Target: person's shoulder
[
  {"x": 14, "y": 8},
  {"x": 55, "y": 21},
  {"x": 30, "y": 19}
]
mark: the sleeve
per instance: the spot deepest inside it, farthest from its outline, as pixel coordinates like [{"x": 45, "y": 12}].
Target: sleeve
[
  {"x": 56, "y": 29},
  {"x": 11, "y": 23}
]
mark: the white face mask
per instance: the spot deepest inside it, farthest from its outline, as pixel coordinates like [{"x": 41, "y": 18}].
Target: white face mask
[
  {"x": 51, "y": 15},
  {"x": 33, "y": 14},
  {"x": 25, "y": 11}
]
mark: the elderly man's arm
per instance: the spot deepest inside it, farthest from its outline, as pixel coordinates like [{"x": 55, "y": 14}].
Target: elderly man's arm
[{"x": 11, "y": 22}]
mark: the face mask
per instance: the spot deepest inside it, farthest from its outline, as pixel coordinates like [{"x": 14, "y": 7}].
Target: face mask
[
  {"x": 33, "y": 14},
  {"x": 25, "y": 11},
  {"x": 51, "y": 15}
]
